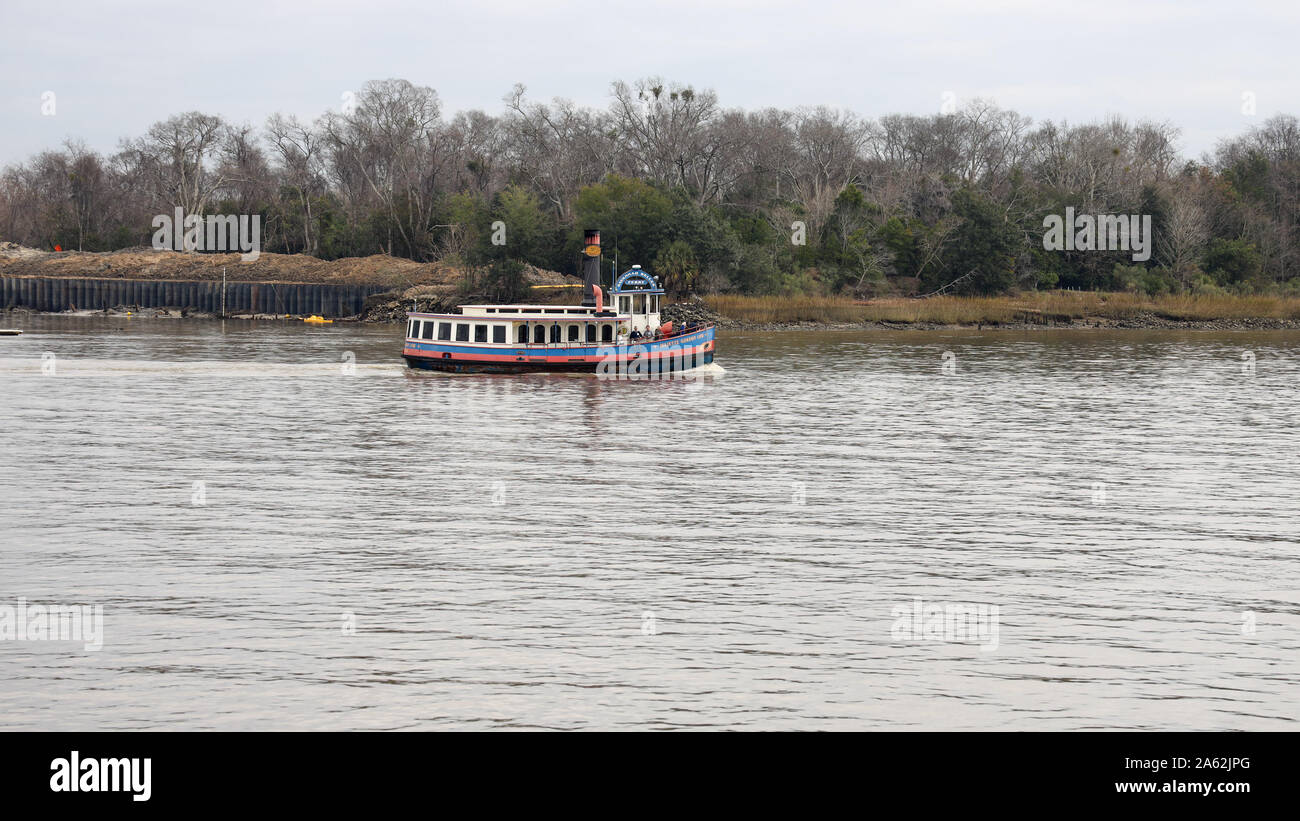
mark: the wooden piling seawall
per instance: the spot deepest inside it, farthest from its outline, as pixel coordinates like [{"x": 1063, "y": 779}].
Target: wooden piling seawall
[{"x": 61, "y": 294}]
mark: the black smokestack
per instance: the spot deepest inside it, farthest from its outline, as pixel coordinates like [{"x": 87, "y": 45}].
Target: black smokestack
[{"x": 590, "y": 266}]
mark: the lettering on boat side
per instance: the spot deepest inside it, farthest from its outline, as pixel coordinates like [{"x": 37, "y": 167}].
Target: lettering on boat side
[{"x": 621, "y": 363}]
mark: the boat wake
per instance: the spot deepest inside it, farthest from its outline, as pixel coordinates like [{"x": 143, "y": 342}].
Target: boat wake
[{"x": 78, "y": 366}]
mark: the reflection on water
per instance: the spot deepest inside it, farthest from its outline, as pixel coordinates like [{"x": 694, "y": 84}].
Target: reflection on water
[{"x": 381, "y": 548}]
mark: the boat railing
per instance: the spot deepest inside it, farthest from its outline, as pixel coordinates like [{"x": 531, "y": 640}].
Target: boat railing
[{"x": 624, "y": 341}]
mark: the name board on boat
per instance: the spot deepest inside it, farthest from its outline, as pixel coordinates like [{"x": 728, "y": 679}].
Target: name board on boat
[{"x": 636, "y": 280}]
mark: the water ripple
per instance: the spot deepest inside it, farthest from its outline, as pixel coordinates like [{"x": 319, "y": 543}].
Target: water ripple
[{"x": 383, "y": 549}]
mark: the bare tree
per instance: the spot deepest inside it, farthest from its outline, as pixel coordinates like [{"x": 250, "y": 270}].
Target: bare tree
[
  {"x": 243, "y": 168},
  {"x": 390, "y": 152},
  {"x": 670, "y": 133},
  {"x": 1184, "y": 235},
  {"x": 173, "y": 160},
  {"x": 299, "y": 155},
  {"x": 559, "y": 148},
  {"x": 827, "y": 157}
]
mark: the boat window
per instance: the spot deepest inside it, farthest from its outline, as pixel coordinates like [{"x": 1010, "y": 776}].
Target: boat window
[
  {"x": 499, "y": 334},
  {"x": 625, "y": 305},
  {"x": 480, "y": 333},
  {"x": 428, "y": 330},
  {"x": 638, "y": 304},
  {"x": 555, "y": 332},
  {"x": 507, "y": 310},
  {"x": 462, "y": 332},
  {"x": 591, "y": 332},
  {"x": 492, "y": 310},
  {"x": 410, "y": 329},
  {"x": 606, "y": 333},
  {"x": 573, "y": 333},
  {"x": 444, "y": 330},
  {"x": 539, "y": 334},
  {"x": 523, "y": 334}
]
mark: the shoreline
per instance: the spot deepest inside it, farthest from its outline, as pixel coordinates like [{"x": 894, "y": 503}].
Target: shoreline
[
  {"x": 1084, "y": 323},
  {"x": 142, "y": 282},
  {"x": 1038, "y": 310},
  {"x": 1136, "y": 323}
]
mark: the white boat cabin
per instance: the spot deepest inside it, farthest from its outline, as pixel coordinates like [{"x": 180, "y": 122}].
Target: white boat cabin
[{"x": 634, "y": 306}]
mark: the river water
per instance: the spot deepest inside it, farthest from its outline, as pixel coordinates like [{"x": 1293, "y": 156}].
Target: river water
[{"x": 287, "y": 529}]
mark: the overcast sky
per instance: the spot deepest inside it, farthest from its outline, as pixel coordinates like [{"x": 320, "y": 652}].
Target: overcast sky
[{"x": 115, "y": 68}]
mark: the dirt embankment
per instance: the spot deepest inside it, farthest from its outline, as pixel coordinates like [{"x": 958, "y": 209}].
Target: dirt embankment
[
  {"x": 148, "y": 264},
  {"x": 425, "y": 286}
]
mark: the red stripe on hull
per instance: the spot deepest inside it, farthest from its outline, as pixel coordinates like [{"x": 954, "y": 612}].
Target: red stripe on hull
[
  {"x": 413, "y": 353},
  {"x": 514, "y": 363}
]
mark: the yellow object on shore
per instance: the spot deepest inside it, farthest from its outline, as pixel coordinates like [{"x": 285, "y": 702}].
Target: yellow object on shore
[
  {"x": 574, "y": 285},
  {"x": 317, "y": 319}
]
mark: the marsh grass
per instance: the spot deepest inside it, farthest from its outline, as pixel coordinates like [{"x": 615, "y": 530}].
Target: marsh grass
[{"x": 1042, "y": 306}]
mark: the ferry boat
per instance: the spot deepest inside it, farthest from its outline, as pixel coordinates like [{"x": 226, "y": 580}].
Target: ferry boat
[{"x": 626, "y": 337}]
